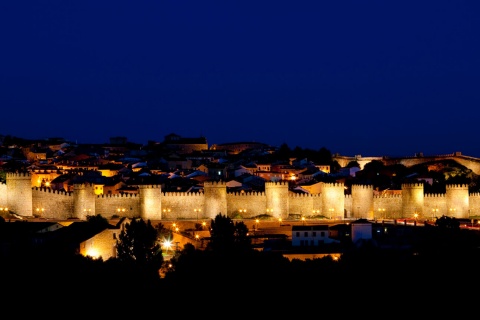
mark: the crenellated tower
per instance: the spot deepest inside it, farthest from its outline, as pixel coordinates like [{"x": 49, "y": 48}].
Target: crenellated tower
[
  {"x": 457, "y": 199},
  {"x": 150, "y": 202},
  {"x": 19, "y": 193},
  {"x": 333, "y": 200},
  {"x": 362, "y": 201},
  {"x": 277, "y": 198},
  {"x": 83, "y": 201},
  {"x": 215, "y": 198},
  {"x": 412, "y": 200}
]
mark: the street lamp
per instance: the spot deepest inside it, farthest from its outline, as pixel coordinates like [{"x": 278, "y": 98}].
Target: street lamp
[
  {"x": 452, "y": 211},
  {"x": 434, "y": 213},
  {"x": 380, "y": 210},
  {"x": 331, "y": 212},
  {"x": 303, "y": 220},
  {"x": 256, "y": 224},
  {"x": 197, "y": 211}
]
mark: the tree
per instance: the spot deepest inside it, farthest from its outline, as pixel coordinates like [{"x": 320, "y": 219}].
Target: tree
[
  {"x": 98, "y": 221},
  {"x": 445, "y": 222},
  {"x": 353, "y": 164},
  {"x": 137, "y": 244},
  {"x": 325, "y": 156},
  {"x": 284, "y": 152},
  {"x": 226, "y": 235}
]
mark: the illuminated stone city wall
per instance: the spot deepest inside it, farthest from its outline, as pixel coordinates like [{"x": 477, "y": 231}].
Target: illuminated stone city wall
[
  {"x": 277, "y": 201},
  {"x": 474, "y": 201},
  {"x": 182, "y": 205},
  {"x": 244, "y": 205},
  {"x": 117, "y": 205},
  {"x": 19, "y": 193},
  {"x": 3, "y": 195},
  {"x": 52, "y": 204},
  {"x": 302, "y": 204}
]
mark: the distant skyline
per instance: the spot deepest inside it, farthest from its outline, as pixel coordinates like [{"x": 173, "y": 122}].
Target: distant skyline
[{"x": 370, "y": 78}]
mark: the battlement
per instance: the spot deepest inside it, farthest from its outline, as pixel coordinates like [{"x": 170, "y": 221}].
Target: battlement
[
  {"x": 434, "y": 195},
  {"x": 182, "y": 194},
  {"x": 412, "y": 185},
  {"x": 18, "y": 175},
  {"x": 245, "y": 194},
  {"x": 362, "y": 186},
  {"x": 276, "y": 183},
  {"x": 456, "y": 186},
  {"x": 50, "y": 190},
  {"x": 334, "y": 185},
  {"x": 214, "y": 184},
  {"x": 118, "y": 196},
  {"x": 303, "y": 195},
  {"x": 149, "y": 186},
  {"x": 387, "y": 196}
]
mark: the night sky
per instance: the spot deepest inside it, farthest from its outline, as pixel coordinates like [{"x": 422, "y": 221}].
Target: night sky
[{"x": 368, "y": 78}]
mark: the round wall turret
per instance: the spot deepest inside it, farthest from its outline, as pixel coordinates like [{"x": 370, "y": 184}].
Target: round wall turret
[
  {"x": 362, "y": 201},
  {"x": 215, "y": 198},
  {"x": 277, "y": 198},
  {"x": 19, "y": 193},
  {"x": 333, "y": 200},
  {"x": 150, "y": 202},
  {"x": 412, "y": 200},
  {"x": 457, "y": 198},
  {"x": 83, "y": 201}
]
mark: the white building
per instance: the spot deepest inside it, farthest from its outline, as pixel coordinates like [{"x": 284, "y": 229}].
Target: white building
[{"x": 311, "y": 236}]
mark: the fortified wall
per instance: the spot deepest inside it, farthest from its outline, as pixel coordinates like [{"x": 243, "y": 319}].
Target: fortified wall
[
  {"x": 18, "y": 195},
  {"x": 471, "y": 163}
]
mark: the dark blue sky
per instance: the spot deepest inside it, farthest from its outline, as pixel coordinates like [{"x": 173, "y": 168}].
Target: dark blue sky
[{"x": 357, "y": 77}]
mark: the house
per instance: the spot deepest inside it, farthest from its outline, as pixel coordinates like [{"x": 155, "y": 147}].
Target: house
[
  {"x": 311, "y": 236},
  {"x": 104, "y": 243},
  {"x": 88, "y": 239}
]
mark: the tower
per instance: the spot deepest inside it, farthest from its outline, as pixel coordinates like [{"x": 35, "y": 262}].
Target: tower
[
  {"x": 83, "y": 201},
  {"x": 412, "y": 200},
  {"x": 457, "y": 198},
  {"x": 333, "y": 200},
  {"x": 215, "y": 198},
  {"x": 362, "y": 201},
  {"x": 19, "y": 193},
  {"x": 150, "y": 202},
  {"x": 277, "y": 198}
]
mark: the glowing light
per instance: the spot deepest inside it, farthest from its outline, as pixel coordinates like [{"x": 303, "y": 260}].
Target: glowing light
[
  {"x": 92, "y": 252},
  {"x": 167, "y": 244}
]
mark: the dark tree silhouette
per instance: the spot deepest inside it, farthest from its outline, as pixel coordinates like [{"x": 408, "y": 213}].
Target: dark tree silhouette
[
  {"x": 446, "y": 222},
  {"x": 138, "y": 244},
  {"x": 228, "y": 236},
  {"x": 98, "y": 221}
]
